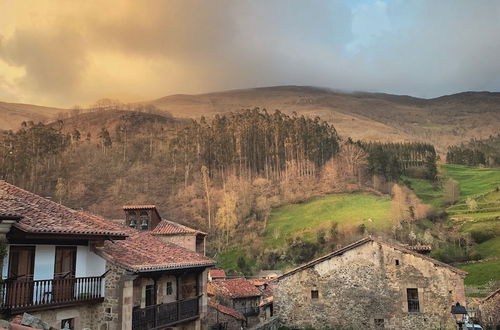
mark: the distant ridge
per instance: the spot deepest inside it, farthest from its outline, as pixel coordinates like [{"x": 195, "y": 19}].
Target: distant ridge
[{"x": 444, "y": 120}]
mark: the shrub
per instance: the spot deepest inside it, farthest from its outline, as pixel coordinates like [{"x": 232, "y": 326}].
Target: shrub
[{"x": 481, "y": 235}]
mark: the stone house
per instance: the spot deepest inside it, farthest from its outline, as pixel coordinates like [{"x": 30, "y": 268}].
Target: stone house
[
  {"x": 489, "y": 308},
  {"x": 154, "y": 284},
  {"x": 224, "y": 317},
  {"x": 76, "y": 269},
  {"x": 369, "y": 284},
  {"x": 50, "y": 267},
  {"x": 239, "y": 294}
]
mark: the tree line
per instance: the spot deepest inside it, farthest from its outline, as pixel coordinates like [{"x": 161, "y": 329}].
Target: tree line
[
  {"x": 391, "y": 160},
  {"x": 484, "y": 152}
]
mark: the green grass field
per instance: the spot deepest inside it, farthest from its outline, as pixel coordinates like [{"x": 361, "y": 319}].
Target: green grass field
[
  {"x": 479, "y": 184},
  {"x": 481, "y": 273},
  {"x": 228, "y": 260},
  {"x": 473, "y": 181},
  {"x": 307, "y": 218},
  {"x": 427, "y": 192}
]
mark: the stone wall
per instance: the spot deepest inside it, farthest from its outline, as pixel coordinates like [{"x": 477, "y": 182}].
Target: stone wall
[
  {"x": 109, "y": 316},
  {"x": 490, "y": 312},
  {"x": 272, "y": 324},
  {"x": 365, "y": 285},
  {"x": 84, "y": 316},
  {"x": 216, "y": 317},
  {"x": 186, "y": 241}
]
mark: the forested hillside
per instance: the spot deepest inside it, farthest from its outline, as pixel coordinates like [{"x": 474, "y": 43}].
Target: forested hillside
[{"x": 223, "y": 175}]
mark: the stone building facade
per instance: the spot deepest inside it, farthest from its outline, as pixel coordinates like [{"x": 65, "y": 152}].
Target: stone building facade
[
  {"x": 224, "y": 316},
  {"x": 370, "y": 284},
  {"x": 489, "y": 309}
]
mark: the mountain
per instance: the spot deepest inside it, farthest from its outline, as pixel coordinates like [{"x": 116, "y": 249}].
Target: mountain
[
  {"x": 13, "y": 114},
  {"x": 369, "y": 116},
  {"x": 441, "y": 121}
]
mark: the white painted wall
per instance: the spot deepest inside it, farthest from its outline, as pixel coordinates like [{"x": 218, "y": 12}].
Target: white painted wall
[{"x": 87, "y": 262}]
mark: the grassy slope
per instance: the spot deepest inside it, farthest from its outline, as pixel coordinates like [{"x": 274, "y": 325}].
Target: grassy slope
[
  {"x": 307, "y": 218},
  {"x": 473, "y": 181},
  {"x": 480, "y": 184}
]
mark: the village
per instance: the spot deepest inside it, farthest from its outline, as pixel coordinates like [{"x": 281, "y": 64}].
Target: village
[{"x": 69, "y": 269}]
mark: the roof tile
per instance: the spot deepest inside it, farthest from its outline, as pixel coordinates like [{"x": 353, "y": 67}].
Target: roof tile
[
  {"x": 166, "y": 227},
  {"x": 227, "y": 310},
  {"x": 141, "y": 251},
  {"x": 41, "y": 215},
  {"x": 235, "y": 288}
]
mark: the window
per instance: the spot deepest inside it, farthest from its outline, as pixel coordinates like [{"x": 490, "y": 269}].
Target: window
[
  {"x": 68, "y": 324},
  {"x": 314, "y": 294},
  {"x": 397, "y": 262},
  {"x": 169, "y": 290},
  {"x": 379, "y": 324},
  {"x": 144, "y": 220},
  {"x": 413, "y": 303},
  {"x": 150, "y": 295}
]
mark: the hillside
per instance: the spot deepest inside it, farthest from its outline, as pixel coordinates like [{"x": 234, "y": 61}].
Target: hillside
[
  {"x": 479, "y": 220},
  {"x": 368, "y": 116},
  {"x": 13, "y": 114},
  {"x": 441, "y": 121}
]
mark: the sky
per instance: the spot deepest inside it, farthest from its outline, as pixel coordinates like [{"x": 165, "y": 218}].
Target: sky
[{"x": 64, "y": 53}]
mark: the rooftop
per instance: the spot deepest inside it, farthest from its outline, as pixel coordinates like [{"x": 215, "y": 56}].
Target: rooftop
[
  {"x": 41, "y": 215},
  {"x": 217, "y": 273},
  {"x": 166, "y": 227},
  {"x": 227, "y": 310},
  {"x": 139, "y": 207},
  {"x": 142, "y": 252},
  {"x": 365, "y": 240},
  {"x": 235, "y": 288}
]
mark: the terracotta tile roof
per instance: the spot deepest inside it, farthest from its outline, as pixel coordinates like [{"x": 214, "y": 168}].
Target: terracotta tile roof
[
  {"x": 258, "y": 281},
  {"x": 217, "y": 273},
  {"x": 227, "y": 310},
  {"x": 166, "y": 227},
  {"x": 235, "y": 288},
  {"x": 41, "y": 215},
  {"x": 142, "y": 252},
  {"x": 139, "y": 207},
  {"x": 211, "y": 289},
  {"x": 361, "y": 242}
]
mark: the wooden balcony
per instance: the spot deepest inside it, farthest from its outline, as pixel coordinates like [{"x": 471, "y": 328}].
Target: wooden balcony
[
  {"x": 30, "y": 295},
  {"x": 162, "y": 315}
]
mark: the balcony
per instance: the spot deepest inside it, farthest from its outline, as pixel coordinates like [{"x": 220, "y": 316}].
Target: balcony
[
  {"x": 29, "y": 295},
  {"x": 162, "y": 315}
]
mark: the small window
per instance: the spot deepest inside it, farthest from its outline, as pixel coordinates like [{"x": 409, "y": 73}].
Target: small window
[
  {"x": 314, "y": 294},
  {"x": 144, "y": 217},
  {"x": 413, "y": 303},
  {"x": 169, "y": 290},
  {"x": 68, "y": 324},
  {"x": 150, "y": 295},
  {"x": 379, "y": 324},
  {"x": 397, "y": 262}
]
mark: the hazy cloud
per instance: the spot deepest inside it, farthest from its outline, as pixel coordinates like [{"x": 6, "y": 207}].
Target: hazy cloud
[{"x": 67, "y": 52}]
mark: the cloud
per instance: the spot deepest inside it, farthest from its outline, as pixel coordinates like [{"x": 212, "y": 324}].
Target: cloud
[{"x": 67, "y": 52}]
